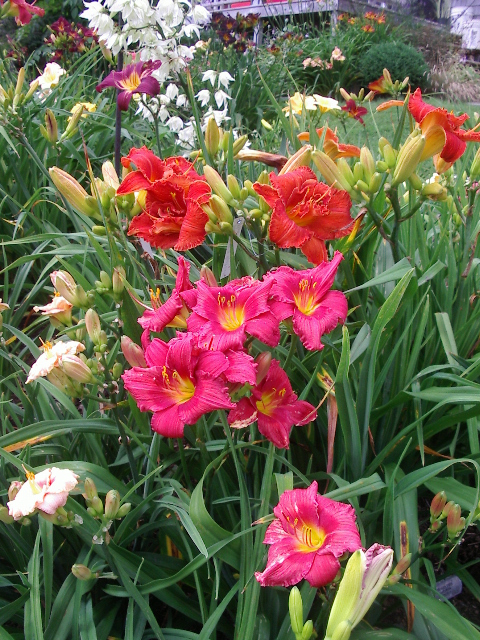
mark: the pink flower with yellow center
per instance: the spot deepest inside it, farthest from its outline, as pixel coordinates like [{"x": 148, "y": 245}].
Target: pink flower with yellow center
[
  {"x": 180, "y": 384},
  {"x": 224, "y": 315},
  {"x": 305, "y": 296},
  {"x": 309, "y": 535},
  {"x": 21, "y": 11},
  {"x": 274, "y": 406},
  {"x": 134, "y": 78},
  {"x": 173, "y": 313}
]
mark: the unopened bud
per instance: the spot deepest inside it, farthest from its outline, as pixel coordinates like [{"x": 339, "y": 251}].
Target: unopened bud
[
  {"x": 105, "y": 280},
  {"x": 233, "y": 187},
  {"x": 5, "y": 517},
  {"x": 124, "y": 510},
  {"x": 76, "y": 369},
  {"x": 434, "y": 191},
  {"x": 375, "y": 182},
  {"x": 343, "y": 631},
  {"x": 301, "y": 158},
  {"x": 307, "y": 630},
  {"x": 226, "y": 228},
  {"x": 438, "y": 505},
  {"x": 214, "y": 179},
  {"x": 133, "y": 352},
  {"x": 90, "y": 489},
  {"x": 74, "y": 193},
  {"x": 207, "y": 275},
  {"x": 475, "y": 168},
  {"x": 367, "y": 162},
  {"x": 72, "y": 125},
  {"x": 33, "y": 87},
  {"x": 295, "y": 607},
  {"x": 400, "y": 569},
  {"x": 92, "y": 323},
  {"x": 212, "y": 137},
  {"x": 118, "y": 282},
  {"x": 408, "y": 157},
  {"x": 345, "y": 170},
  {"x": 81, "y": 572},
  {"x": 220, "y": 209},
  {"x": 117, "y": 370},
  {"x": 389, "y": 155},
  {"x": 358, "y": 172},
  {"x": 112, "y": 504},
  {"x": 97, "y": 505},
  {"x": 345, "y": 95},
  {"x": 455, "y": 522},
  {"x": 263, "y": 362},
  {"x": 13, "y": 489},
  {"x": 381, "y": 166},
  {"x": 446, "y": 509},
  {"x": 415, "y": 181},
  {"x": 330, "y": 171},
  {"x": 51, "y": 126},
  {"x": 239, "y": 144},
  {"x": 20, "y": 81}
]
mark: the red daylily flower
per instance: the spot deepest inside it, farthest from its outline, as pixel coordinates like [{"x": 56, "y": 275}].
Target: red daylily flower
[
  {"x": 173, "y": 215},
  {"x": 274, "y": 406},
  {"x": 354, "y": 111},
  {"x": 134, "y": 78},
  {"x": 222, "y": 316},
  {"x": 331, "y": 146},
  {"x": 305, "y": 212},
  {"x": 444, "y": 138},
  {"x": 180, "y": 384},
  {"x": 309, "y": 535},
  {"x": 380, "y": 86},
  {"x": 305, "y": 296},
  {"x": 22, "y": 11}
]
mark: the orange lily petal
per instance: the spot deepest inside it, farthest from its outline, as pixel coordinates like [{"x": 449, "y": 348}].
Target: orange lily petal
[{"x": 389, "y": 104}]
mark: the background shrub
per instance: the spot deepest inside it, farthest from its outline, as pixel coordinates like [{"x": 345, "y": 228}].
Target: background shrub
[{"x": 400, "y": 59}]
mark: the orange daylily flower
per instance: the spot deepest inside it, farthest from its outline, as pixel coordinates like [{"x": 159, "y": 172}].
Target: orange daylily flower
[
  {"x": 331, "y": 146},
  {"x": 445, "y": 141}
]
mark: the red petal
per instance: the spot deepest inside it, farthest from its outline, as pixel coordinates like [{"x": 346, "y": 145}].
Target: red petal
[
  {"x": 168, "y": 423},
  {"x": 323, "y": 571},
  {"x": 454, "y": 147},
  {"x": 134, "y": 181},
  {"x": 286, "y": 565},
  {"x": 242, "y": 415},
  {"x": 315, "y": 250},
  {"x": 283, "y": 231}
]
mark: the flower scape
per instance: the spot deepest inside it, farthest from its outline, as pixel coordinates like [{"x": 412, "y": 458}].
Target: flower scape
[{"x": 239, "y": 331}]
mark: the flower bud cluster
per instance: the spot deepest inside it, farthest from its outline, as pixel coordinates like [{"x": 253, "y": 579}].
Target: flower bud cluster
[
  {"x": 106, "y": 512},
  {"x": 12, "y": 97},
  {"x": 441, "y": 510}
]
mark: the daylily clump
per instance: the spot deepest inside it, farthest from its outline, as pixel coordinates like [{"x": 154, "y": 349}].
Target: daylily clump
[{"x": 308, "y": 536}]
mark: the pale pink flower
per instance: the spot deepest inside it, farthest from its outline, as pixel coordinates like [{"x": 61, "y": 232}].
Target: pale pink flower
[
  {"x": 52, "y": 357},
  {"x": 46, "y": 491},
  {"x": 58, "y": 309}
]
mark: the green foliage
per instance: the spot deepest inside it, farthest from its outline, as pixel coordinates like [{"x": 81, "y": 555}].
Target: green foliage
[{"x": 400, "y": 59}]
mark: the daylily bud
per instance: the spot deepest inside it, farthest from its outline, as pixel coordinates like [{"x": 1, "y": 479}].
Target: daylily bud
[
  {"x": 248, "y": 185},
  {"x": 51, "y": 126},
  {"x": 266, "y": 124},
  {"x": 117, "y": 370},
  {"x": 61, "y": 381},
  {"x": 330, "y": 171},
  {"x": 263, "y": 361},
  {"x": 233, "y": 187},
  {"x": 97, "y": 505},
  {"x": 408, "y": 157},
  {"x": 72, "y": 125},
  {"x": 301, "y": 158},
  {"x": 400, "y": 569},
  {"x": 365, "y": 574},
  {"x": 76, "y": 369},
  {"x": 105, "y": 280},
  {"x": 112, "y": 504},
  {"x": 345, "y": 95},
  {"x": 31, "y": 91},
  {"x": 220, "y": 209},
  {"x": 118, "y": 282},
  {"x": 455, "y": 522},
  {"x": 212, "y": 137},
  {"x": 214, "y": 179},
  {"x": 415, "y": 181},
  {"x": 226, "y": 228},
  {"x": 74, "y": 193},
  {"x": 307, "y": 630},
  {"x": 389, "y": 155},
  {"x": 224, "y": 139},
  {"x": 110, "y": 175},
  {"x": 99, "y": 230},
  {"x": 381, "y": 144},
  {"x": 124, "y": 510},
  {"x": 381, "y": 166},
  {"x": 446, "y": 509},
  {"x": 81, "y": 572},
  {"x": 438, "y": 504},
  {"x": 271, "y": 159},
  {"x": 92, "y": 323},
  {"x": 239, "y": 144},
  {"x": 211, "y": 228},
  {"x": 133, "y": 352},
  {"x": 5, "y": 517},
  {"x": 362, "y": 186},
  {"x": 13, "y": 489},
  {"x": 90, "y": 489},
  {"x": 475, "y": 168},
  {"x": 295, "y": 607},
  {"x": 434, "y": 191},
  {"x": 20, "y": 81},
  {"x": 357, "y": 171},
  {"x": 206, "y": 274},
  {"x": 243, "y": 194},
  {"x": 345, "y": 170},
  {"x": 375, "y": 182},
  {"x": 367, "y": 162}
]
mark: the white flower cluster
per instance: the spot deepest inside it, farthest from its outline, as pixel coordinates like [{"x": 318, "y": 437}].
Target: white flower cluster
[{"x": 155, "y": 27}]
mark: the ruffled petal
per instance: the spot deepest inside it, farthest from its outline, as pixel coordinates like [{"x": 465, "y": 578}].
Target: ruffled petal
[
  {"x": 168, "y": 423},
  {"x": 323, "y": 570},
  {"x": 286, "y": 565},
  {"x": 210, "y": 395},
  {"x": 243, "y": 414}
]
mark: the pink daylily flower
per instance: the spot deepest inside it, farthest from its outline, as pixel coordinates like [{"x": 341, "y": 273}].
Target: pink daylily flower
[
  {"x": 309, "y": 535},
  {"x": 180, "y": 384},
  {"x": 22, "y": 11},
  {"x": 274, "y": 406},
  {"x": 134, "y": 78},
  {"x": 224, "y": 315},
  {"x": 305, "y": 297},
  {"x": 173, "y": 312},
  {"x": 45, "y": 491}
]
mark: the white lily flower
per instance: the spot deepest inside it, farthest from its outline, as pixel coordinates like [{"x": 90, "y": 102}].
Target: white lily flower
[
  {"x": 203, "y": 97},
  {"x": 210, "y": 76},
  {"x": 224, "y": 78}
]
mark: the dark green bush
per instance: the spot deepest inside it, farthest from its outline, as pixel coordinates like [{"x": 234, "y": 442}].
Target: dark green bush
[{"x": 400, "y": 59}]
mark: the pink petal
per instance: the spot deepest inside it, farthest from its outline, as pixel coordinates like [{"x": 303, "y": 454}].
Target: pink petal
[
  {"x": 179, "y": 356},
  {"x": 277, "y": 427},
  {"x": 156, "y": 353},
  {"x": 158, "y": 319},
  {"x": 300, "y": 505},
  {"x": 286, "y": 565},
  {"x": 302, "y": 412},
  {"x": 338, "y": 521},
  {"x": 265, "y": 328},
  {"x": 242, "y": 415},
  {"x": 241, "y": 367},
  {"x": 52, "y": 501},
  {"x": 323, "y": 571},
  {"x": 211, "y": 364},
  {"x": 309, "y": 330},
  {"x": 209, "y": 396},
  {"x": 147, "y": 389},
  {"x": 123, "y": 100},
  {"x": 168, "y": 423}
]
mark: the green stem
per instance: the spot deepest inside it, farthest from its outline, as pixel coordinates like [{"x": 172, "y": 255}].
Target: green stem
[
  {"x": 125, "y": 443},
  {"x": 396, "y": 224},
  {"x": 291, "y": 353}
]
